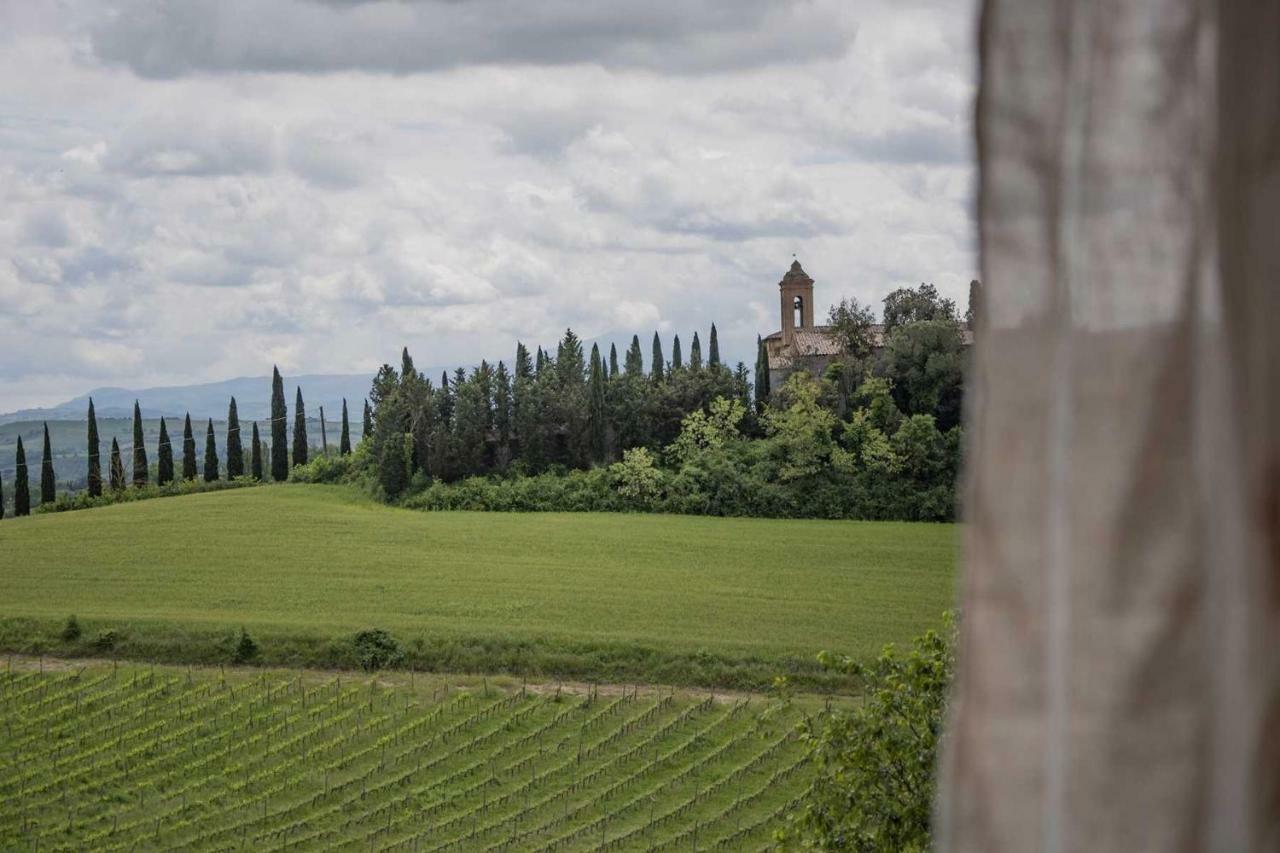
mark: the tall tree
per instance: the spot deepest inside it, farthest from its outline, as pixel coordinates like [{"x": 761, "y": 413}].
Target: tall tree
[
  {"x": 21, "y": 488},
  {"x": 659, "y": 363},
  {"x": 210, "y": 455},
  {"x": 613, "y": 361},
  {"x": 677, "y": 357},
  {"x": 95, "y": 455},
  {"x": 713, "y": 353},
  {"x": 235, "y": 447},
  {"x": 188, "y": 450},
  {"x": 344, "y": 441},
  {"x": 366, "y": 422},
  {"x": 1, "y": 498},
  {"x": 635, "y": 359},
  {"x": 695, "y": 353},
  {"x": 596, "y": 409},
  {"x": 255, "y": 455},
  {"x": 117, "y": 467},
  {"x": 324, "y": 434},
  {"x": 762, "y": 374},
  {"x": 973, "y": 316},
  {"x": 502, "y": 409},
  {"x": 48, "y": 486},
  {"x": 299, "y": 430},
  {"x": 279, "y": 430},
  {"x": 164, "y": 457},
  {"x": 139, "y": 448},
  {"x": 907, "y": 305}
]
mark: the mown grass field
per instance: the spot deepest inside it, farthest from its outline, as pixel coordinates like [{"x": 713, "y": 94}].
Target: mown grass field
[
  {"x": 163, "y": 759},
  {"x": 673, "y": 599}
]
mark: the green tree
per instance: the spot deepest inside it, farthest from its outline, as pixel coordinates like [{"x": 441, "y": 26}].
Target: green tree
[
  {"x": 713, "y": 353},
  {"x": 344, "y": 442},
  {"x": 392, "y": 448},
  {"x": 188, "y": 450},
  {"x": 800, "y": 429},
  {"x": 614, "y": 371},
  {"x": 711, "y": 430},
  {"x": 762, "y": 374},
  {"x": 255, "y": 455},
  {"x": 695, "y": 353},
  {"x": 235, "y": 447},
  {"x": 852, "y": 323},
  {"x": 597, "y": 412},
  {"x": 907, "y": 305},
  {"x": 117, "y": 467},
  {"x": 95, "y": 460},
  {"x": 677, "y": 357},
  {"x": 656, "y": 372},
  {"x": 924, "y": 361},
  {"x": 876, "y": 760},
  {"x": 21, "y": 488},
  {"x": 279, "y": 430},
  {"x": 210, "y": 455},
  {"x": 139, "y": 448},
  {"x": 48, "y": 486},
  {"x": 299, "y": 430},
  {"x": 164, "y": 457},
  {"x": 366, "y": 422},
  {"x": 1, "y": 498},
  {"x": 502, "y": 410},
  {"x": 635, "y": 359},
  {"x": 973, "y": 316}
]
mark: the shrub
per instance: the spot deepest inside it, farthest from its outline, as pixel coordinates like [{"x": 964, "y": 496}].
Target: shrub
[
  {"x": 71, "y": 631},
  {"x": 106, "y": 640},
  {"x": 246, "y": 649},
  {"x": 376, "y": 649}
]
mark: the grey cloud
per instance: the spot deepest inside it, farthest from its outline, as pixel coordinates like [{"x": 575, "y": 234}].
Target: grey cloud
[
  {"x": 325, "y": 159},
  {"x": 169, "y": 147},
  {"x": 933, "y": 145},
  {"x": 46, "y": 226},
  {"x": 172, "y": 39}
]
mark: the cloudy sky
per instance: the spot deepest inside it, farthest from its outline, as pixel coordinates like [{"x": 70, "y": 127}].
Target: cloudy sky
[{"x": 191, "y": 191}]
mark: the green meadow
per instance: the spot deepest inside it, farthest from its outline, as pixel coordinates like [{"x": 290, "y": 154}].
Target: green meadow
[{"x": 674, "y": 599}]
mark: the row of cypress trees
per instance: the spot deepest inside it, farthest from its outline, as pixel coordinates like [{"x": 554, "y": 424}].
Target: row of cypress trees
[{"x": 165, "y": 469}]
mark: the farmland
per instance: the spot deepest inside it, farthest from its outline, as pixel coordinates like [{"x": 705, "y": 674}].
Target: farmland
[
  {"x": 683, "y": 600},
  {"x": 126, "y": 758}
]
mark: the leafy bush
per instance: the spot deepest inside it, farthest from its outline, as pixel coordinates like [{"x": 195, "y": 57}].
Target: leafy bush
[
  {"x": 106, "y": 640},
  {"x": 376, "y": 649},
  {"x": 71, "y": 631},
  {"x": 876, "y": 763},
  {"x": 246, "y": 649},
  {"x": 67, "y": 502}
]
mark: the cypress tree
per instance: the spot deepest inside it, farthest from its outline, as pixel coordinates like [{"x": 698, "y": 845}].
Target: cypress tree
[
  {"x": 695, "y": 353},
  {"x": 164, "y": 454},
  {"x": 762, "y": 374},
  {"x": 255, "y": 455},
  {"x": 502, "y": 406},
  {"x": 366, "y": 424},
  {"x": 235, "y": 448},
  {"x": 344, "y": 441},
  {"x": 279, "y": 432},
  {"x": 635, "y": 359},
  {"x": 596, "y": 412},
  {"x": 1, "y": 498},
  {"x": 139, "y": 448},
  {"x": 117, "y": 467},
  {"x": 188, "y": 450},
  {"x": 95, "y": 455},
  {"x": 210, "y": 455},
  {"x": 677, "y": 357},
  {"x": 713, "y": 353},
  {"x": 48, "y": 487},
  {"x": 524, "y": 365},
  {"x": 299, "y": 430},
  {"x": 613, "y": 361},
  {"x": 658, "y": 361},
  {"x": 21, "y": 488}
]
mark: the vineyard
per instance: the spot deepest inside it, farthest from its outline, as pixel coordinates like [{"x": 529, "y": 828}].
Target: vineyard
[{"x": 128, "y": 758}]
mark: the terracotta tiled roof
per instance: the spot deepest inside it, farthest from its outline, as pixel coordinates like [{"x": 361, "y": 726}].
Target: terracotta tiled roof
[{"x": 820, "y": 341}]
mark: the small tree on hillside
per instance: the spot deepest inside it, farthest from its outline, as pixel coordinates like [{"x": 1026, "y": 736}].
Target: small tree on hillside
[
  {"x": 164, "y": 454},
  {"x": 48, "y": 486},
  {"x": 255, "y": 455},
  {"x": 188, "y": 450},
  {"x": 140, "y": 474},
  {"x": 677, "y": 356},
  {"x": 117, "y": 467},
  {"x": 235, "y": 448},
  {"x": 713, "y": 353},
  {"x": 657, "y": 371},
  {"x": 210, "y": 455},
  {"x": 95, "y": 455},
  {"x": 279, "y": 430},
  {"x": 299, "y": 431},
  {"x": 344, "y": 440},
  {"x": 695, "y": 354},
  {"x": 21, "y": 488}
]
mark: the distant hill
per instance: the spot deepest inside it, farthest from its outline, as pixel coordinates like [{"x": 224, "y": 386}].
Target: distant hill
[{"x": 209, "y": 400}]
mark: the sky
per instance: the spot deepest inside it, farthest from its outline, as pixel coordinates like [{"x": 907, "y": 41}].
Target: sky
[{"x": 193, "y": 191}]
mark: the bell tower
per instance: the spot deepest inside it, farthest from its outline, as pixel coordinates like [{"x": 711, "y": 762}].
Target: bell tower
[{"x": 796, "y": 289}]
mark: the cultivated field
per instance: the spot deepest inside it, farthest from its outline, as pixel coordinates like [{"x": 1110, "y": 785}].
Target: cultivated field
[
  {"x": 161, "y": 758},
  {"x": 669, "y": 599}
]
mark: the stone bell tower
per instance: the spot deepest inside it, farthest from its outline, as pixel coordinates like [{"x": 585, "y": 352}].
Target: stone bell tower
[{"x": 796, "y": 289}]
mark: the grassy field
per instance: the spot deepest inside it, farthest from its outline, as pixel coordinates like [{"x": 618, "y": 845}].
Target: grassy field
[
  {"x": 726, "y": 602},
  {"x": 164, "y": 759}
]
